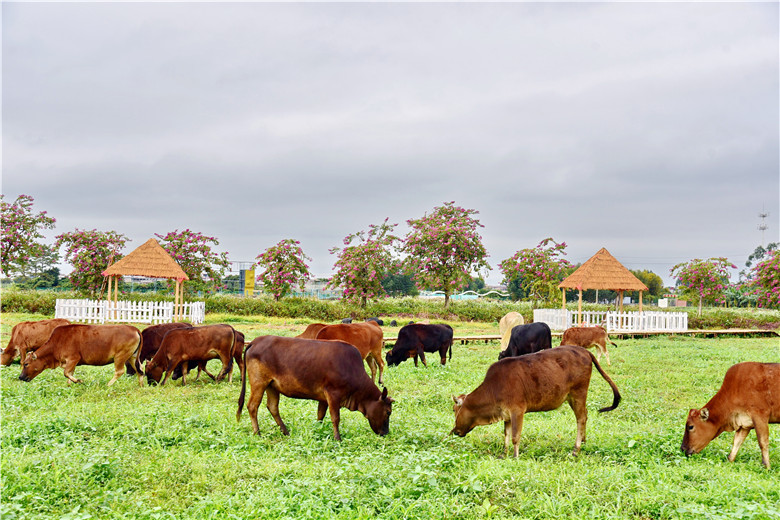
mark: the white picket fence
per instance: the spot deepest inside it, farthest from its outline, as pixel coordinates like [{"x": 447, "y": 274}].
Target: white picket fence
[
  {"x": 559, "y": 319},
  {"x": 103, "y": 311}
]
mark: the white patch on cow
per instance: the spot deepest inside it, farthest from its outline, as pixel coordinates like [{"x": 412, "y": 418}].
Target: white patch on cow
[{"x": 741, "y": 420}]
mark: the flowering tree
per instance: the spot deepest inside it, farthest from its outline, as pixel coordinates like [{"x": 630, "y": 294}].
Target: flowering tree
[
  {"x": 538, "y": 270},
  {"x": 361, "y": 267},
  {"x": 766, "y": 281},
  {"x": 706, "y": 279},
  {"x": 21, "y": 230},
  {"x": 444, "y": 248},
  {"x": 285, "y": 266},
  {"x": 192, "y": 251},
  {"x": 90, "y": 253}
]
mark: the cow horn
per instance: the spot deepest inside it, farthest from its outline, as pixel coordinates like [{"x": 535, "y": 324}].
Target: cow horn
[
  {"x": 33, "y": 356},
  {"x": 704, "y": 414}
]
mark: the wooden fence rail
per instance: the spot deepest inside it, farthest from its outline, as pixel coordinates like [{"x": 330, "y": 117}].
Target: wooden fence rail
[
  {"x": 104, "y": 311},
  {"x": 615, "y": 322}
]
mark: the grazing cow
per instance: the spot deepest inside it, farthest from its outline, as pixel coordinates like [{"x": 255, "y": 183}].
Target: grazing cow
[
  {"x": 346, "y": 320},
  {"x": 26, "y": 337},
  {"x": 330, "y": 372},
  {"x": 393, "y": 323},
  {"x": 536, "y": 382},
  {"x": 153, "y": 336},
  {"x": 748, "y": 398},
  {"x": 587, "y": 337},
  {"x": 415, "y": 340},
  {"x": 197, "y": 344},
  {"x": 73, "y": 345},
  {"x": 379, "y": 321},
  {"x": 507, "y": 323},
  {"x": 238, "y": 358},
  {"x": 311, "y": 331},
  {"x": 526, "y": 339},
  {"x": 366, "y": 337}
]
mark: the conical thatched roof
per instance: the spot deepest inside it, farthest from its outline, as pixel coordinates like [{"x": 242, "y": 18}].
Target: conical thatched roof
[
  {"x": 149, "y": 259},
  {"x": 603, "y": 271}
]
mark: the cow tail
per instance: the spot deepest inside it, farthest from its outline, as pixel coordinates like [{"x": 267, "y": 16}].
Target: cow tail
[
  {"x": 242, "y": 395},
  {"x": 138, "y": 354},
  {"x": 451, "y": 342},
  {"x": 615, "y": 392},
  {"x": 229, "y": 366}
]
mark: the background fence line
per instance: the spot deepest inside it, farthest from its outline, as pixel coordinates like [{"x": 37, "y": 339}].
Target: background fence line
[{"x": 104, "y": 311}]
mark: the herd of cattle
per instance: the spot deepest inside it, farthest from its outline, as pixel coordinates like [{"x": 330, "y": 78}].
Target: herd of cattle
[{"x": 325, "y": 364}]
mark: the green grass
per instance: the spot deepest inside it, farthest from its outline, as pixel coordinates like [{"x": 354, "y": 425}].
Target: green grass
[{"x": 89, "y": 451}]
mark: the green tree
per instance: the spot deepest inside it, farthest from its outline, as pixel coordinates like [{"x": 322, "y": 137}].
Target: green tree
[
  {"x": 21, "y": 234},
  {"x": 285, "y": 266},
  {"x": 193, "y": 252},
  {"x": 90, "y": 253},
  {"x": 706, "y": 280},
  {"x": 443, "y": 249},
  {"x": 654, "y": 283},
  {"x": 362, "y": 265},
  {"x": 539, "y": 269},
  {"x": 399, "y": 284},
  {"x": 765, "y": 281}
]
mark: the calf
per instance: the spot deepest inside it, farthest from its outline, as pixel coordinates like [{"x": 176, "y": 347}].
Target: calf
[
  {"x": 366, "y": 337},
  {"x": 748, "y": 398},
  {"x": 153, "y": 336},
  {"x": 196, "y": 344},
  {"x": 526, "y": 339},
  {"x": 417, "y": 339},
  {"x": 73, "y": 345},
  {"x": 28, "y": 336},
  {"x": 532, "y": 383},
  {"x": 505, "y": 326},
  {"x": 587, "y": 337},
  {"x": 238, "y": 359},
  {"x": 329, "y": 372}
]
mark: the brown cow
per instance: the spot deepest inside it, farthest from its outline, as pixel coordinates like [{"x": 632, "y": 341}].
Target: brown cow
[
  {"x": 587, "y": 337},
  {"x": 748, "y": 398},
  {"x": 26, "y": 337},
  {"x": 238, "y": 358},
  {"x": 536, "y": 382},
  {"x": 311, "y": 331},
  {"x": 330, "y": 372},
  {"x": 153, "y": 336},
  {"x": 73, "y": 345},
  {"x": 179, "y": 346},
  {"x": 505, "y": 326},
  {"x": 366, "y": 337}
]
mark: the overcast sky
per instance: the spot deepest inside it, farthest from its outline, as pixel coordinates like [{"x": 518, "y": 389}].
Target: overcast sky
[{"x": 650, "y": 129}]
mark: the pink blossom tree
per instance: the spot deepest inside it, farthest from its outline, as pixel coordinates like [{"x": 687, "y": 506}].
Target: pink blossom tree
[
  {"x": 765, "y": 281},
  {"x": 538, "y": 269},
  {"x": 707, "y": 280},
  {"x": 192, "y": 251},
  {"x": 21, "y": 232},
  {"x": 90, "y": 253},
  {"x": 365, "y": 260},
  {"x": 444, "y": 248},
  {"x": 285, "y": 266}
]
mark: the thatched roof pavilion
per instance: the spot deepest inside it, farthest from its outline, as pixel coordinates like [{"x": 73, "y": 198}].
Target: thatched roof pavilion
[
  {"x": 603, "y": 271},
  {"x": 149, "y": 260}
]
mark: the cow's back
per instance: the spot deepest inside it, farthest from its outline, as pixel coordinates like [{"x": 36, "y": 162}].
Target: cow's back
[
  {"x": 752, "y": 386},
  {"x": 153, "y": 336},
  {"x": 93, "y": 344},
  {"x": 312, "y": 330},
  {"x": 364, "y": 336},
  {"x": 540, "y": 381}
]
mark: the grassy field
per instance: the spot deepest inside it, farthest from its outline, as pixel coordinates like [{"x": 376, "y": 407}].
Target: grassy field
[{"x": 88, "y": 451}]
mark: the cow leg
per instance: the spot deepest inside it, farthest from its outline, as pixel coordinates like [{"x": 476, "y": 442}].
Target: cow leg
[
  {"x": 119, "y": 369},
  {"x": 321, "y": 409},
  {"x": 257, "y": 390},
  {"x": 224, "y": 372},
  {"x": 602, "y": 348},
  {"x": 205, "y": 369},
  {"x": 517, "y": 429},
  {"x": 272, "y": 403},
  {"x": 762, "y": 432},
  {"x": 381, "y": 362},
  {"x": 371, "y": 362},
  {"x": 68, "y": 370},
  {"x": 507, "y": 436},
  {"x": 421, "y": 352},
  {"x": 335, "y": 415},
  {"x": 578, "y": 404},
  {"x": 739, "y": 437},
  {"x": 443, "y": 355}
]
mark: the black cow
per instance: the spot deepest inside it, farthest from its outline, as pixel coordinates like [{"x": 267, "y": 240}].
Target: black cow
[
  {"x": 378, "y": 321},
  {"x": 527, "y": 339},
  {"x": 346, "y": 320},
  {"x": 417, "y": 339}
]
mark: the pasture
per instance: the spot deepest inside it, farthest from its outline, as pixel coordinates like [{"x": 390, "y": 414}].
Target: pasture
[{"x": 88, "y": 451}]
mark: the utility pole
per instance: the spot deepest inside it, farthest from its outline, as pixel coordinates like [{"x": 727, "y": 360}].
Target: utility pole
[{"x": 763, "y": 226}]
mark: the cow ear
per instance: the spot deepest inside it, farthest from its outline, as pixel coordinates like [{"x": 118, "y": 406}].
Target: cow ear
[
  {"x": 384, "y": 394},
  {"x": 34, "y": 356},
  {"x": 458, "y": 400},
  {"x": 704, "y": 414}
]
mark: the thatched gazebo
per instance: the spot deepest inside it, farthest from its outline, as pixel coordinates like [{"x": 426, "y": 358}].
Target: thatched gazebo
[
  {"x": 152, "y": 261},
  {"x": 602, "y": 271}
]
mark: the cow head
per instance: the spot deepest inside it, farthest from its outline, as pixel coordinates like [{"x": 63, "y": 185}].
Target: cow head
[
  {"x": 378, "y": 413},
  {"x": 503, "y": 354},
  {"x": 153, "y": 371},
  {"x": 8, "y": 355},
  {"x": 31, "y": 367},
  {"x": 463, "y": 422},
  {"x": 699, "y": 431},
  {"x": 394, "y": 357}
]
